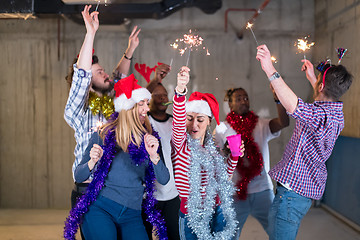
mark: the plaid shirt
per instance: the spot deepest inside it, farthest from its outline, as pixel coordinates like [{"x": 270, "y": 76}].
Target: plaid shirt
[
  {"x": 302, "y": 166},
  {"x": 78, "y": 115}
]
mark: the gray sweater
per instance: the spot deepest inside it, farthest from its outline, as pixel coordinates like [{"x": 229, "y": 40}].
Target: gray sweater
[{"x": 124, "y": 183}]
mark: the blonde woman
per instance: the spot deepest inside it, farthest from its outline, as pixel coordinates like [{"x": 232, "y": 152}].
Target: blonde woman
[{"x": 129, "y": 157}]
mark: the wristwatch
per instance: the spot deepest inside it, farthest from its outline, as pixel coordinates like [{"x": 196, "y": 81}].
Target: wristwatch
[
  {"x": 83, "y": 73},
  {"x": 274, "y": 76}
]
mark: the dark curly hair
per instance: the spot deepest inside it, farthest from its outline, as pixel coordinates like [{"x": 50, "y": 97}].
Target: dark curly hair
[
  {"x": 70, "y": 74},
  {"x": 230, "y": 92}
]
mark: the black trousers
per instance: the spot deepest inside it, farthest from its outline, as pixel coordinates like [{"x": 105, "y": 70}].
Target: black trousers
[
  {"x": 78, "y": 190},
  {"x": 170, "y": 212}
]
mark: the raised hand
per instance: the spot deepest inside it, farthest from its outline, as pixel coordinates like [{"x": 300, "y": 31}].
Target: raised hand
[
  {"x": 91, "y": 20},
  {"x": 183, "y": 78},
  {"x": 151, "y": 146},
  {"x": 161, "y": 71},
  {"x": 133, "y": 41},
  {"x": 308, "y": 68},
  {"x": 263, "y": 55}
]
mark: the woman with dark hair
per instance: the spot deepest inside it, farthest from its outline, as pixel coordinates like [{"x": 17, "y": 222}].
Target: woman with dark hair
[
  {"x": 201, "y": 173},
  {"x": 129, "y": 158}
]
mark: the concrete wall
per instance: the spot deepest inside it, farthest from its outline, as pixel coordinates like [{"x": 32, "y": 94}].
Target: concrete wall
[
  {"x": 337, "y": 25},
  {"x": 37, "y": 145}
]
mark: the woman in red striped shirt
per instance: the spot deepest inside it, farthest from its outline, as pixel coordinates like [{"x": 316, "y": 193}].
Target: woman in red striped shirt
[{"x": 201, "y": 173}]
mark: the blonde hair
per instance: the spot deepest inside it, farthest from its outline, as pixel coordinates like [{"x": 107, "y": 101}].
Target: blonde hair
[{"x": 128, "y": 128}]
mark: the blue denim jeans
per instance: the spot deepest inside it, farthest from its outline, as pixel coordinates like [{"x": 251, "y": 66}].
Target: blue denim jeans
[
  {"x": 110, "y": 220},
  {"x": 258, "y": 205},
  {"x": 217, "y": 224},
  {"x": 286, "y": 213}
]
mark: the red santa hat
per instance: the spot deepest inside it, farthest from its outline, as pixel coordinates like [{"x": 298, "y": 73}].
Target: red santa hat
[
  {"x": 128, "y": 93},
  {"x": 204, "y": 103}
]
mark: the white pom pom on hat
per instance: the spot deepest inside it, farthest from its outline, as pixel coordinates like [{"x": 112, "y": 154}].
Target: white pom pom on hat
[{"x": 128, "y": 93}]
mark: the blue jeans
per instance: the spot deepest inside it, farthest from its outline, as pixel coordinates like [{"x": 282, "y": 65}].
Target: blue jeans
[
  {"x": 110, "y": 220},
  {"x": 258, "y": 205},
  {"x": 217, "y": 224},
  {"x": 286, "y": 213}
]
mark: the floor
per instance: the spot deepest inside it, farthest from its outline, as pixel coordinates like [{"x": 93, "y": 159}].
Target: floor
[{"x": 22, "y": 224}]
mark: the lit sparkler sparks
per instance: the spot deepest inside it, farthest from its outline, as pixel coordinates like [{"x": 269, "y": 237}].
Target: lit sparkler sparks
[
  {"x": 97, "y": 127},
  {"x": 190, "y": 42},
  {"x": 273, "y": 59},
  {"x": 98, "y": 3},
  {"x": 248, "y": 26},
  {"x": 174, "y": 46},
  {"x": 303, "y": 45}
]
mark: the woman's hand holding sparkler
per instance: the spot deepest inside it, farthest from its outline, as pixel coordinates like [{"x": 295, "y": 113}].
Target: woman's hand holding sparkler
[
  {"x": 96, "y": 153},
  {"x": 183, "y": 78}
]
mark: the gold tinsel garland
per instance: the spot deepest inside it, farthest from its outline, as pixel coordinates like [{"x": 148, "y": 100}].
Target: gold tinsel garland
[{"x": 104, "y": 104}]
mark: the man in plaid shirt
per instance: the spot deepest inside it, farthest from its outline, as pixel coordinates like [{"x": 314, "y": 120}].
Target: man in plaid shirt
[
  {"x": 86, "y": 77},
  {"x": 301, "y": 174}
]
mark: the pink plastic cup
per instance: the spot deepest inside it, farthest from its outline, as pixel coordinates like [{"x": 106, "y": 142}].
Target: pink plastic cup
[{"x": 234, "y": 144}]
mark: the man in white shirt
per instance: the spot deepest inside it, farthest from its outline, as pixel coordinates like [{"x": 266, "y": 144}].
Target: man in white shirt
[{"x": 254, "y": 195}]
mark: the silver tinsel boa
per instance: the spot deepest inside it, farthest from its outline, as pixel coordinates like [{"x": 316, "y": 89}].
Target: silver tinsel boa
[{"x": 201, "y": 209}]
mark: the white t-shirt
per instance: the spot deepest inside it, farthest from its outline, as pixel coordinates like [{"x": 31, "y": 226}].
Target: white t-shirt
[
  {"x": 168, "y": 191},
  {"x": 262, "y": 135}
]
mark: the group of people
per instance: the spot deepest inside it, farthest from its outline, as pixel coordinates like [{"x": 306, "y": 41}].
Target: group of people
[{"x": 146, "y": 174}]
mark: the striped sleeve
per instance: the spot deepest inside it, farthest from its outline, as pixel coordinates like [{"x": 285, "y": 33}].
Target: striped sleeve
[
  {"x": 178, "y": 135},
  {"x": 231, "y": 163},
  {"x": 77, "y": 98}
]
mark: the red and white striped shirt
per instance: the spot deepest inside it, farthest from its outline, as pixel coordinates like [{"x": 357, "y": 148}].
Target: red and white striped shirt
[{"x": 180, "y": 154}]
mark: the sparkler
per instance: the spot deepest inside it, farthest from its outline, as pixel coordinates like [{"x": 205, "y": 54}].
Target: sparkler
[
  {"x": 192, "y": 41},
  {"x": 97, "y": 5},
  {"x": 303, "y": 45},
  {"x": 174, "y": 46},
  {"x": 96, "y": 128},
  {"x": 249, "y": 25},
  {"x": 189, "y": 42}
]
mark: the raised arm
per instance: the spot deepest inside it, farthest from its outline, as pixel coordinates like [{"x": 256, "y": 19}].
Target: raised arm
[
  {"x": 178, "y": 135},
  {"x": 92, "y": 25},
  {"x": 124, "y": 63},
  {"x": 81, "y": 79},
  {"x": 286, "y": 96},
  {"x": 282, "y": 121}
]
